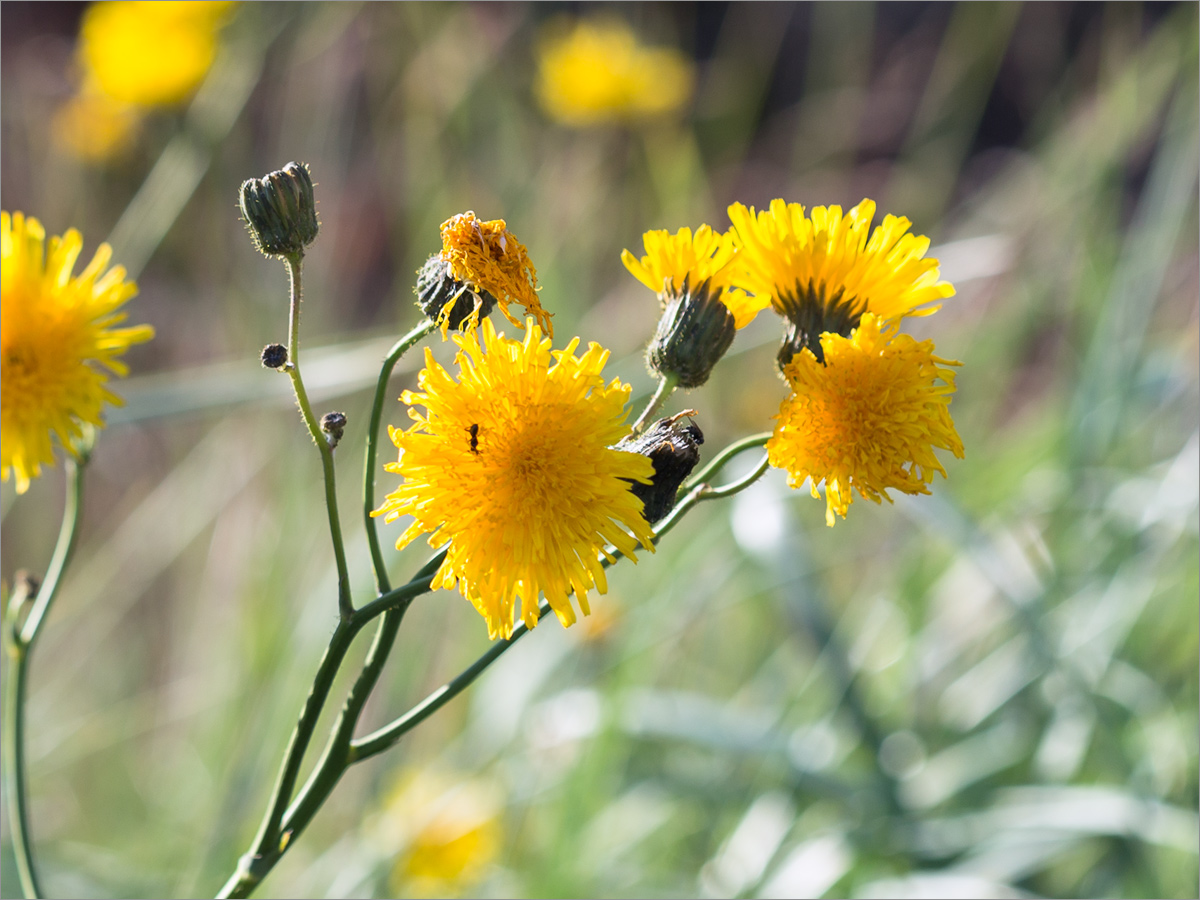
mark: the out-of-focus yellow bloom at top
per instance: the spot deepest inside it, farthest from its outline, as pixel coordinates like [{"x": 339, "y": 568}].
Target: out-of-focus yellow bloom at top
[
  {"x": 94, "y": 127},
  {"x": 444, "y": 831},
  {"x": 487, "y": 256},
  {"x": 598, "y": 72},
  {"x": 58, "y": 342},
  {"x": 149, "y": 53},
  {"x": 679, "y": 263}
]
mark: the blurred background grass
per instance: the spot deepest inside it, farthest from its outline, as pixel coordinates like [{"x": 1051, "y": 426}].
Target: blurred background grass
[{"x": 987, "y": 692}]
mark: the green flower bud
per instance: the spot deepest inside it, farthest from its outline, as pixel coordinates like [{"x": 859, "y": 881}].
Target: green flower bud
[
  {"x": 674, "y": 450},
  {"x": 693, "y": 334},
  {"x": 445, "y": 299},
  {"x": 279, "y": 210}
]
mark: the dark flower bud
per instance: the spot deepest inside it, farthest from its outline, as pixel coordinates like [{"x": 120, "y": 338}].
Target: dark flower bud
[
  {"x": 333, "y": 424},
  {"x": 445, "y": 299},
  {"x": 810, "y": 314},
  {"x": 674, "y": 449},
  {"x": 279, "y": 210},
  {"x": 274, "y": 356},
  {"x": 693, "y": 334}
]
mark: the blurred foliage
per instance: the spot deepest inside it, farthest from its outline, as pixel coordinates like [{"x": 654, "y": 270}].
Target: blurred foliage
[{"x": 987, "y": 692}]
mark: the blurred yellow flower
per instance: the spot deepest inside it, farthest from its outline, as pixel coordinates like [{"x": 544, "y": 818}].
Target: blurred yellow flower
[
  {"x": 94, "y": 127},
  {"x": 445, "y": 832},
  {"x": 867, "y": 419},
  {"x": 677, "y": 264},
  {"x": 598, "y": 72},
  {"x": 824, "y": 270},
  {"x": 511, "y": 464},
  {"x": 57, "y": 338},
  {"x": 149, "y": 53},
  {"x": 489, "y": 258}
]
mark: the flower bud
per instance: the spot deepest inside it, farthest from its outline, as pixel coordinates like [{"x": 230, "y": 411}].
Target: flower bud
[
  {"x": 279, "y": 210},
  {"x": 694, "y": 332},
  {"x": 274, "y": 356},
  {"x": 445, "y": 299},
  {"x": 809, "y": 315},
  {"x": 333, "y": 424},
  {"x": 674, "y": 450}
]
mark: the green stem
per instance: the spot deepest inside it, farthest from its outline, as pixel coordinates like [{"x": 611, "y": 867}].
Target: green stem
[
  {"x": 665, "y": 387},
  {"x": 20, "y": 648},
  {"x": 402, "y": 346},
  {"x": 279, "y": 826},
  {"x": 721, "y": 459},
  {"x": 345, "y": 604}
]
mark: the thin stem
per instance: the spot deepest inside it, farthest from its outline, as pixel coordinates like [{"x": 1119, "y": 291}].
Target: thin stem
[
  {"x": 20, "y": 648},
  {"x": 721, "y": 459},
  {"x": 402, "y": 346},
  {"x": 665, "y": 387},
  {"x": 294, "y": 267}
]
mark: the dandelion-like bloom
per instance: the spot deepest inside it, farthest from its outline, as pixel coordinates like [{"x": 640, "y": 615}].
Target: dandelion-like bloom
[
  {"x": 678, "y": 263},
  {"x": 824, "y": 270},
  {"x": 693, "y": 277},
  {"x": 489, "y": 258},
  {"x": 57, "y": 339},
  {"x": 149, "y": 53},
  {"x": 598, "y": 72},
  {"x": 511, "y": 464},
  {"x": 868, "y": 418}
]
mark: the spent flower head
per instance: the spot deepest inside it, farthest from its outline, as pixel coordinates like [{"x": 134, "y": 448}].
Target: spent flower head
[
  {"x": 867, "y": 418},
  {"x": 511, "y": 464},
  {"x": 823, "y": 270},
  {"x": 59, "y": 343},
  {"x": 598, "y": 72},
  {"x": 488, "y": 257}
]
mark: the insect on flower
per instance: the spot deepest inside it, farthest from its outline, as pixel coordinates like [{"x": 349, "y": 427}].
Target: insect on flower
[{"x": 474, "y": 432}]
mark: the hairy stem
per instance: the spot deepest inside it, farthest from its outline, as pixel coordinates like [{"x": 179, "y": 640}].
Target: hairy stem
[
  {"x": 665, "y": 387},
  {"x": 345, "y": 604}
]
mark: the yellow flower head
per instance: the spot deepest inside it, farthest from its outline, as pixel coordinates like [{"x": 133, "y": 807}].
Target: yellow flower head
[
  {"x": 56, "y": 341},
  {"x": 867, "y": 419},
  {"x": 598, "y": 72},
  {"x": 824, "y": 270},
  {"x": 93, "y": 127},
  {"x": 488, "y": 257},
  {"x": 149, "y": 53},
  {"x": 448, "y": 830},
  {"x": 511, "y": 462},
  {"x": 678, "y": 264}
]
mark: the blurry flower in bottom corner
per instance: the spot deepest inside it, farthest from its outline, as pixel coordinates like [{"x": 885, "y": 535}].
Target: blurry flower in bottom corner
[
  {"x": 599, "y": 72},
  {"x": 511, "y": 464},
  {"x": 866, "y": 420},
  {"x": 58, "y": 342},
  {"x": 444, "y": 832}
]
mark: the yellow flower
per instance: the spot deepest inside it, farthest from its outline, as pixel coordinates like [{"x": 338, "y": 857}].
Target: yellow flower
[
  {"x": 447, "y": 831},
  {"x": 149, "y": 53},
  {"x": 867, "y": 419},
  {"x": 677, "y": 264},
  {"x": 511, "y": 462},
  {"x": 93, "y": 127},
  {"x": 488, "y": 257},
  {"x": 598, "y": 72},
  {"x": 56, "y": 341},
  {"x": 823, "y": 271}
]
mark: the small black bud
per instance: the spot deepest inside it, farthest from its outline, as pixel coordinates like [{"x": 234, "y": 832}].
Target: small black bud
[
  {"x": 333, "y": 424},
  {"x": 674, "y": 449},
  {"x": 280, "y": 211},
  {"x": 447, "y": 300},
  {"x": 274, "y": 356},
  {"x": 693, "y": 334}
]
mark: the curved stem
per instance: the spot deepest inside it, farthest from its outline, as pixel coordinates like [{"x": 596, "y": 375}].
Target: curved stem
[
  {"x": 294, "y": 267},
  {"x": 721, "y": 459},
  {"x": 20, "y": 647},
  {"x": 402, "y": 346},
  {"x": 665, "y": 387}
]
